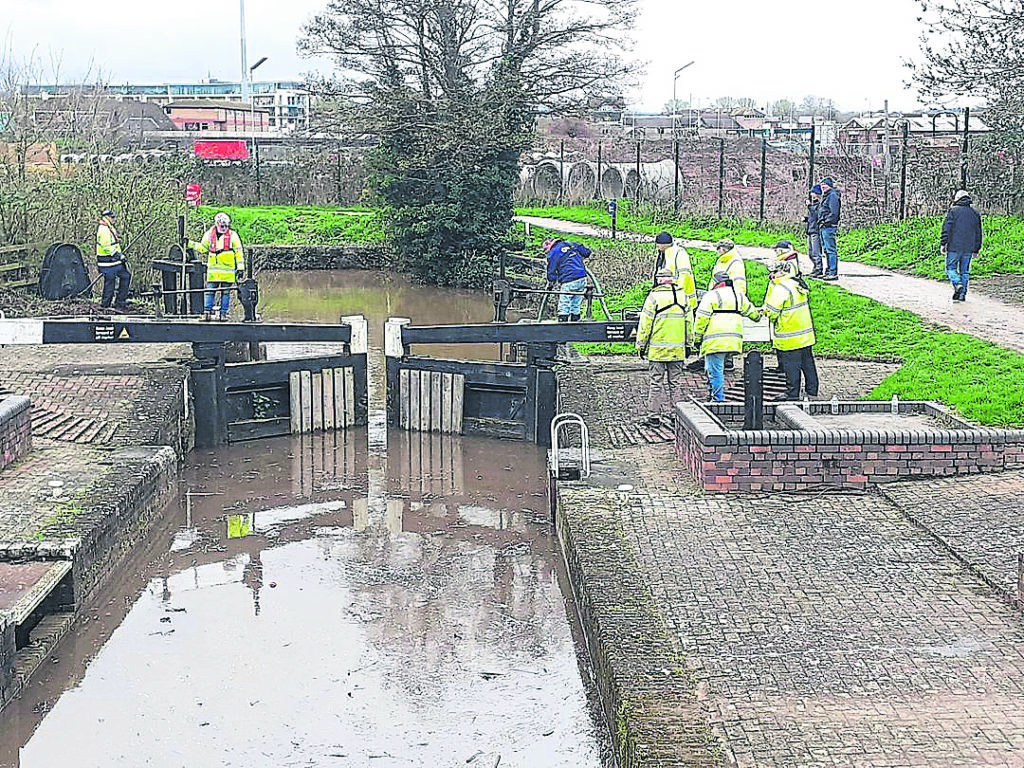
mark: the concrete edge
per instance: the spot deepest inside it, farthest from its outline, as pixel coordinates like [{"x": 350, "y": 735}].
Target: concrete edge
[{"x": 648, "y": 692}]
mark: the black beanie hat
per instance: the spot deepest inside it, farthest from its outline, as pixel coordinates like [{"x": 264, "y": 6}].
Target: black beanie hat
[{"x": 663, "y": 238}]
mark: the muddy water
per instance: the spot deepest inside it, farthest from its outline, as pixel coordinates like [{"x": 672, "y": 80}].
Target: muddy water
[{"x": 362, "y": 599}]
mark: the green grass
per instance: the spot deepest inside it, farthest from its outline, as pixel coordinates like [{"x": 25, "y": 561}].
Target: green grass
[
  {"x": 910, "y": 246},
  {"x": 283, "y": 225}
]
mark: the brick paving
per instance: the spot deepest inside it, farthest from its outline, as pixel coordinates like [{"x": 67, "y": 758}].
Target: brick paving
[
  {"x": 979, "y": 518},
  {"x": 823, "y": 629}
]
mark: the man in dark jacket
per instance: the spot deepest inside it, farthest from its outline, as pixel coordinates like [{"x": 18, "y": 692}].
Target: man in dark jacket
[
  {"x": 828, "y": 224},
  {"x": 960, "y": 242},
  {"x": 565, "y": 268},
  {"x": 813, "y": 232}
]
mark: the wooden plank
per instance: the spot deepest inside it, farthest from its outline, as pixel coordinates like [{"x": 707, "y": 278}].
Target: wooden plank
[
  {"x": 316, "y": 402},
  {"x": 458, "y": 392},
  {"x": 403, "y": 398},
  {"x": 446, "y": 403},
  {"x": 339, "y": 398},
  {"x": 295, "y": 402},
  {"x": 435, "y": 401},
  {"x": 306, "y": 386},
  {"x": 350, "y": 396},
  {"x": 12, "y": 267},
  {"x": 328, "y": 376},
  {"x": 414, "y": 400},
  {"x": 257, "y": 429},
  {"x": 20, "y": 283},
  {"x": 23, "y": 247},
  {"x": 424, "y": 401}
]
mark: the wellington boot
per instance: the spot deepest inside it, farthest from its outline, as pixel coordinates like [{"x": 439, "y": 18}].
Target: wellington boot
[
  {"x": 574, "y": 318},
  {"x": 563, "y": 318}
]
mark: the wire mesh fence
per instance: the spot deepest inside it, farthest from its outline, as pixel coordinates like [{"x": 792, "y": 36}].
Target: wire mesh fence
[{"x": 745, "y": 177}]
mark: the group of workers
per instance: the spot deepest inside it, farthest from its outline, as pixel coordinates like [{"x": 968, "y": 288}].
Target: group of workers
[
  {"x": 225, "y": 264},
  {"x": 675, "y": 322}
]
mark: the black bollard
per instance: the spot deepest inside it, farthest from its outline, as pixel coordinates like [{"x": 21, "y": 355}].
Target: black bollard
[
  {"x": 753, "y": 391},
  {"x": 248, "y": 296}
]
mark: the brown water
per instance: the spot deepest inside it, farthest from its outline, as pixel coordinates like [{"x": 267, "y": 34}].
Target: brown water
[{"x": 361, "y": 599}]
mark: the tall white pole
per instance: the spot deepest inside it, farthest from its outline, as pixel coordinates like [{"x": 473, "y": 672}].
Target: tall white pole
[{"x": 245, "y": 63}]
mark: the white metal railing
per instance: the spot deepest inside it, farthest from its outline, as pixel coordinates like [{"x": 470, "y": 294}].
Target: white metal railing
[{"x": 566, "y": 420}]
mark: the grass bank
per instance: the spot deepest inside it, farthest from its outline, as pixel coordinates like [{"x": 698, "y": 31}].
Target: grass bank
[
  {"x": 980, "y": 380},
  {"x": 285, "y": 225},
  {"x": 910, "y": 246}
]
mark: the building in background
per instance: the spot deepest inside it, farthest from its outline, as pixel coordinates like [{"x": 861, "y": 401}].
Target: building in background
[
  {"x": 211, "y": 116},
  {"x": 286, "y": 102}
]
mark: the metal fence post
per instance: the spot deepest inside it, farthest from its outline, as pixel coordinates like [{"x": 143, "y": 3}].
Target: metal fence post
[
  {"x": 636, "y": 194},
  {"x": 256, "y": 153},
  {"x": 764, "y": 159},
  {"x": 721, "y": 177},
  {"x": 903, "y": 171},
  {"x": 963, "y": 152},
  {"x": 561, "y": 170},
  {"x": 675, "y": 188},
  {"x": 597, "y": 190}
]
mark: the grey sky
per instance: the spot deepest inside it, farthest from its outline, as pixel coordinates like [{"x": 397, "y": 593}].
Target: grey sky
[{"x": 849, "y": 52}]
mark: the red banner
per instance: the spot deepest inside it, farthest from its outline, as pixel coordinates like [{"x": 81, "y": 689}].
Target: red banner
[
  {"x": 192, "y": 194},
  {"x": 222, "y": 150}
]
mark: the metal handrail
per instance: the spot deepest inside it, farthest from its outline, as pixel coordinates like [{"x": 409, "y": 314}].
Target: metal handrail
[{"x": 564, "y": 420}]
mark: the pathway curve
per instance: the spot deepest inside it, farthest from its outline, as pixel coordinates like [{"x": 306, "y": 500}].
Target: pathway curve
[{"x": 980, "y": 316}]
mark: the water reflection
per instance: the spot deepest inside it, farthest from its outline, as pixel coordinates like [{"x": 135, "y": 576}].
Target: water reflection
[{"x": 321, "y": 602}]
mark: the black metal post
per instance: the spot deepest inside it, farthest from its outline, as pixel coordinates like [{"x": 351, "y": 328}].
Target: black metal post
[
  {"x": 721, "y": 177},
  {"x": 675, "y": 193},
  {"x": 903, "y": 171},
  {"x": 256, "y": 154},
  {"x": 561, "y": 170},
  {"x": 337, "y": 174},
  {"x": 810, "y": 170},
  {"x": 753, "y": 391},
  {"x": 597, "y": 191},
  {"x": 963, "y": 152},
  {"x": 636, "y": 193},
  {"x": 764, "y": 159}
]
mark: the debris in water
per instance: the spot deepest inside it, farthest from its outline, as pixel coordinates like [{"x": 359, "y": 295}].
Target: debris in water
[{"x": 165, "y": 619}]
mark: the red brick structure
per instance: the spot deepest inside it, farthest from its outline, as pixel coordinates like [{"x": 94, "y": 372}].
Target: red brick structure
[
  {"x": 15, "y": 429},
  {"x": 803, "y": 454}
]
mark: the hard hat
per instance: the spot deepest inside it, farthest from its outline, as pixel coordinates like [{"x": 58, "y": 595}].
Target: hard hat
[{"x": 222, "y": 220}]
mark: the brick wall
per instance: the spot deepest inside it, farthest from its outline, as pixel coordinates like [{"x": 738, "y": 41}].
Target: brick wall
[
  {"x": 791, "y": 460},
  {"x": 7, "y": 651},
  {"x": 15, "y": 429}
]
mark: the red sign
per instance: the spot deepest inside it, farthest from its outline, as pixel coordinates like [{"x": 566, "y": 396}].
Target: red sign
[
  {"x": 192, "y": 194},
  {"x": 222, "y": 150}
]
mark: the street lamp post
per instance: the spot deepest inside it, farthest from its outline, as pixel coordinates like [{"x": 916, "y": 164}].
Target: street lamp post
[
  {"x": 252, "y": 95},
  {"x": 675, "y": 108}
]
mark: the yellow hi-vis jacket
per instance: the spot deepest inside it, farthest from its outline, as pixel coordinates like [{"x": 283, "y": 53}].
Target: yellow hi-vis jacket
[
  {"x": 666, "y": 324},
  {"x": 108, "y": 246},
  {"x": 225, "y": 258},
  {"x": 731, "y": 264},
  {"x": 718, "y": 325},
  {"x": 789, "y": 314},
  {"x": 676, "y": 259}
]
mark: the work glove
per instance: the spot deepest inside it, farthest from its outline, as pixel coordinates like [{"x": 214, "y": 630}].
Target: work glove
[{"x": 239, "y": 275}]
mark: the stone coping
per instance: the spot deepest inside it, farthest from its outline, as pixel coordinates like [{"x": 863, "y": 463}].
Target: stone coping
[
  {"x": 702, "y": 420},
  {"x": 13, "y": 405}
]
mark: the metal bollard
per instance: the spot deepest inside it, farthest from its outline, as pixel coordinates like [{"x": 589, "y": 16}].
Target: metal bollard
[
  {"x": 753, "y": 391},
  {"x": 248, "y": 296}
]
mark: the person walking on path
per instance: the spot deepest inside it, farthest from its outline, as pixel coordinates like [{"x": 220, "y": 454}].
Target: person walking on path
[
  {"x": 718, "y": 328},
  {"x": 792, "y": 329},
  {"x": 828, "y": 225},
  {"x": 813, "y": 232},
  {"x": 960, "y": 242},
  {"x": 111, "y": 264},
  {"x": 225, "y": 264},
  {"x": 662, "y": 338},
  {"x": 676, "y": 259},
  {"x": 565, "y": 269}
]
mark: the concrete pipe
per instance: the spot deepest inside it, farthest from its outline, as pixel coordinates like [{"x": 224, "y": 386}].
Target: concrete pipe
[
  {"x": 611, "y": 182},
  {"x": 581, "y": 181},
  {"x": 546, "y": 181}
]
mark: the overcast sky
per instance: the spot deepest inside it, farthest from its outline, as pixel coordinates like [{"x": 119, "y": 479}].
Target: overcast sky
[{"x": 850, "y": 52}]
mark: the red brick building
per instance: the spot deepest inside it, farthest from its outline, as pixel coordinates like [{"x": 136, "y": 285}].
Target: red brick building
[{"x": 205, "y": 116}]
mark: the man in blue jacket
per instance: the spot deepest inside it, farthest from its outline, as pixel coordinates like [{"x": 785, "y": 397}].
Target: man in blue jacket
[
  {"x": 828, "y": 225},
  {"x": 960, "y": 242},
  {"x": 565, "y": 269}
]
